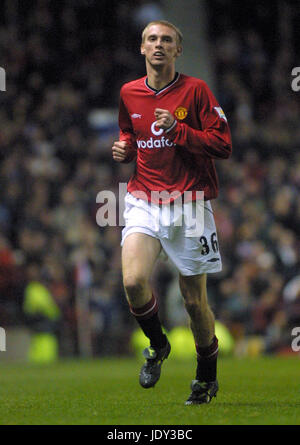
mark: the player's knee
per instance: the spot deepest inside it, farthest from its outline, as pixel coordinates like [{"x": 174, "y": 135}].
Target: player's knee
[
  {"x": 193, "y": 308},
  {"x": 134, "y": 287}
]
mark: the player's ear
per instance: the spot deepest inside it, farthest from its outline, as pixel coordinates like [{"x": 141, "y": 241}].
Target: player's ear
[
  {"x": 142, "y": 50},
  {"x": 179, "y": 50}
]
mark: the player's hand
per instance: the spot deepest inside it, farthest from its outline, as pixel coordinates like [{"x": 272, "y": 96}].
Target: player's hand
[
  {"x": 119, "y": 150},
  {"x": 164, "y": 119}
]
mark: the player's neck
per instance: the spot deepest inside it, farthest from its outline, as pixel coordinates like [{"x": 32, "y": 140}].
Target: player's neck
[{"x": 158, "y": 79}]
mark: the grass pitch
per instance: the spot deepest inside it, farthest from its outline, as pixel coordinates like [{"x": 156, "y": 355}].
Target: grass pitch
[{"x": 261, "y": 391}]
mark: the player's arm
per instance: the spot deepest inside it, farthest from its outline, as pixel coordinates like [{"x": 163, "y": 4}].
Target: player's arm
[
  {"x": 124, "y": 150},
  {"x": 214, "y": 138}
]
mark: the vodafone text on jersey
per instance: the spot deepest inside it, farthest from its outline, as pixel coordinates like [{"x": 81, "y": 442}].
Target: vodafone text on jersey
[{"x": 155, "y": 143}]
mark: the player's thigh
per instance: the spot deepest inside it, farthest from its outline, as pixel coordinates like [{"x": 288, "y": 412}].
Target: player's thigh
[{"x": 139, "y": 254}]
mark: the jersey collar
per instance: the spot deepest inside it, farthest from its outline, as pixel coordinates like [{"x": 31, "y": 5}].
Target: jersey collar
[{"x": 165, "y": 87}]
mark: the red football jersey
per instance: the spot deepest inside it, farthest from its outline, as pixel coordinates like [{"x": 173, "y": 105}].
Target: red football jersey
[{"x": 181, "y": 158}]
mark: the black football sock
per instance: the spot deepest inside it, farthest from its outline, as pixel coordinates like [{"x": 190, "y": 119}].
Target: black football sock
[
  {"x": 152, "y": 329},
  {"x": 147, "y": 318},
  {"x": 207, "y": 362}
]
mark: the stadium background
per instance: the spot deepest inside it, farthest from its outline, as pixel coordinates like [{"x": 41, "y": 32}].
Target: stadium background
[{"x": 60, "y": 273}]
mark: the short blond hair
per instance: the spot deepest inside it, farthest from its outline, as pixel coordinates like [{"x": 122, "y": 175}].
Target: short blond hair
[{"x": 179, "y": 36}]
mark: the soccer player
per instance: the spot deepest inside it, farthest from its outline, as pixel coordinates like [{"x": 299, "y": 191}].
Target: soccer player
[{"x": 173, "y": 128}]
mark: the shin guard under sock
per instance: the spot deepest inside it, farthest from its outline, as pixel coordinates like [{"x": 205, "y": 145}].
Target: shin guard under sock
[
  {"x": 147, "y": 317},
  {"x": 207, "y": 362}
]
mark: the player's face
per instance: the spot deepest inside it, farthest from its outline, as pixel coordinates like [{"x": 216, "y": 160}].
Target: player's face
[{"x": 160, "y": 45}]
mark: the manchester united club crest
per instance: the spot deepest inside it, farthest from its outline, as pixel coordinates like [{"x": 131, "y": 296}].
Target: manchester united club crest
[{"x": 181, "y": 113}]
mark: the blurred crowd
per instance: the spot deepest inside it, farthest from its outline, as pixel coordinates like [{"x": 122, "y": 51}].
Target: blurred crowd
[
  {"x": 255, "y": 47},
  {"x": 65, "y": 59}
]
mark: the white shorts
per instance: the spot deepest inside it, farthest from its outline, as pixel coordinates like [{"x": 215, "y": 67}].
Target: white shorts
[{"x": 191, "y": 254}]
